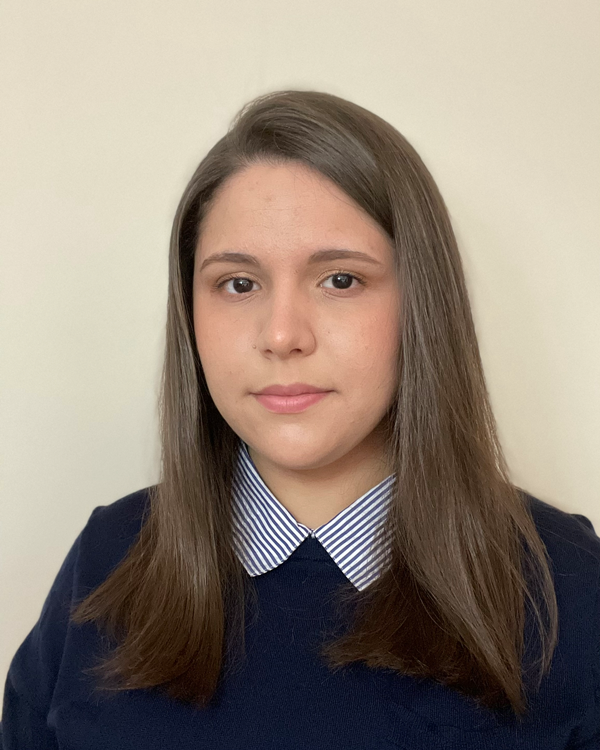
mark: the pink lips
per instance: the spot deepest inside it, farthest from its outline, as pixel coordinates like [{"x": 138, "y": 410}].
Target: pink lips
[{"x": 289, "y": 404}]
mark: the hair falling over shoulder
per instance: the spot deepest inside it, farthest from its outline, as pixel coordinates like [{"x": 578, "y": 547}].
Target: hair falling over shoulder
[{"x": 466, "y": 558}]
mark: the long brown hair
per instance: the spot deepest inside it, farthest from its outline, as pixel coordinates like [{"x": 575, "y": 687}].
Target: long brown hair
[{"x": 466, "y": 556}]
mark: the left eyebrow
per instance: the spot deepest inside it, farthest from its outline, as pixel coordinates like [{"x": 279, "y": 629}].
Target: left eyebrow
[{"x": 320, "y": 256}]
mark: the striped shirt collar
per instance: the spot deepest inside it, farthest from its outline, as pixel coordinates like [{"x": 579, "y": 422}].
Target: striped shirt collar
[{"x": 266, "y": 533}]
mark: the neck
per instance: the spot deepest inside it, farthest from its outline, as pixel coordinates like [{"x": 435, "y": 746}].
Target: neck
[{"x": 316, "y": 494}]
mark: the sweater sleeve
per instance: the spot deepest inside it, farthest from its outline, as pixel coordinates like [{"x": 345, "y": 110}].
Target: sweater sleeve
[{"x": 34, "y": 668}]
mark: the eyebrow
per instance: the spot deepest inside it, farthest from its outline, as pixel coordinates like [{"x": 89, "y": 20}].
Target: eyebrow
[{"x": 320, "y": 256}]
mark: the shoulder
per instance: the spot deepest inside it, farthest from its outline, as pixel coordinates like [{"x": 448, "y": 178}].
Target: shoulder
[
  {"x": 573, "y": 549},
  {"x": 125, "y": 515},
  {"x": 570, "y": 538},
  {"x": 109, "y": 533}
]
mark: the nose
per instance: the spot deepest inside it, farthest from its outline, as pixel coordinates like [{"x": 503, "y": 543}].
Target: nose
[{"x": 286, "y": 327}]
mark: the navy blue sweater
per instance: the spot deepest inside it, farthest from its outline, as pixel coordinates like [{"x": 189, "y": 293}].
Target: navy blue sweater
[{"x": 284, "y": 697}]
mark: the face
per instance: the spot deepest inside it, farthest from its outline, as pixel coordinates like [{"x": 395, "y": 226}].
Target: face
[{"x": 284, "y": 317}]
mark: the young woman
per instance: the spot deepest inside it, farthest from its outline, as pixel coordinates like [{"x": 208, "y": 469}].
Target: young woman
[{"x": 335, "y": 556}]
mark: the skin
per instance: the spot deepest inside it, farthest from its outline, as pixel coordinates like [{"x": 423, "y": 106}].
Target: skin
[{"x": 297, "y": 322}]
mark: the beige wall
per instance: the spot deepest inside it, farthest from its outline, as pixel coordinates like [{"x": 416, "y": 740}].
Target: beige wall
[{"x": 106, "y": 109}]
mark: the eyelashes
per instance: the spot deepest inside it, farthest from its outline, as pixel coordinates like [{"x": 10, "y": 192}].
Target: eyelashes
[{"x": 219, "y": 285}]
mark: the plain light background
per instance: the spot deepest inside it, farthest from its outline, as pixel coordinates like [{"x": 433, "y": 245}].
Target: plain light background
[{"x": 107, "y": 107}]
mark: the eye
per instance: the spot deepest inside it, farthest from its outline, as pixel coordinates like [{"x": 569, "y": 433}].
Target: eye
[
  {"x": 244, "y": 287},
  {"x": 346, "y": 279},
  {"x": 243, "y": 283}
]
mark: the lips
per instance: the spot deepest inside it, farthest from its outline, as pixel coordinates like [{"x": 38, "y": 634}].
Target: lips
[
  {"x": 295, "y": 389},
  {"x": 290, "y": 404}
]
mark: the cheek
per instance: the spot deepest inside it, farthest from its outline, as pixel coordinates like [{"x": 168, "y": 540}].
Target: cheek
[
  {"x": 377, "y": 379},
  {"x": 369, "y": 347},
  {"x": 209, "y": 341},
  {"x": 222, "y": 347}
]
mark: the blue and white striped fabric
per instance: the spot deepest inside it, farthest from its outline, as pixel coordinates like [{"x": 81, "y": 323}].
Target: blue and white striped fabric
[{"x": 266, "y": 533}]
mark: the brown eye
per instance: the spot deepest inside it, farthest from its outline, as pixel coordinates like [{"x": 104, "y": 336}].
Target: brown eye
[
  {"x": 343, "y": 279},
  {"x": 241, "y": 284}
]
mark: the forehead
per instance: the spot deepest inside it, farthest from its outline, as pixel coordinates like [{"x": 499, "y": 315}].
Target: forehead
[
  {"x": 263, "y": 185},
  {"x": 291, "y": 204}
]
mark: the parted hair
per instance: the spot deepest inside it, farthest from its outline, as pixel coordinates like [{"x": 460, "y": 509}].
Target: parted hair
[{"x": 466, "y": 561}]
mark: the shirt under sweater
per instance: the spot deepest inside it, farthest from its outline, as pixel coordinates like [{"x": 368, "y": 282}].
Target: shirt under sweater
[{"x": 266, "y": 533}]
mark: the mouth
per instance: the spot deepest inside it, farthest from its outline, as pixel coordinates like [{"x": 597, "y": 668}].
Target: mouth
[{"x": 290, "y": 404}]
